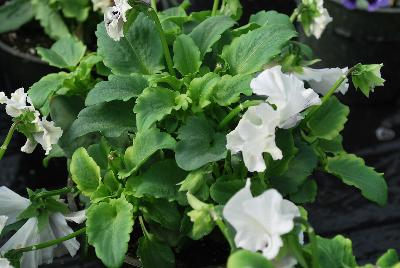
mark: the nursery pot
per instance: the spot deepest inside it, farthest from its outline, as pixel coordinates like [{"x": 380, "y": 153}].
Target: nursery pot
[
  {"x": 20, "y": 69},
  {"x": 359, "y": 36}
]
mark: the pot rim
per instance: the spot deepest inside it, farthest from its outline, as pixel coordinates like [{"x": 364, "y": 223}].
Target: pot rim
[
  {"x": 15, "y": 52},
  {"x": 388, "y": 10}
]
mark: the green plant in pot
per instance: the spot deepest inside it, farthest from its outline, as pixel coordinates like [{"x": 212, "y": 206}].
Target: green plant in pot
[{"x": 204, "y": 132}]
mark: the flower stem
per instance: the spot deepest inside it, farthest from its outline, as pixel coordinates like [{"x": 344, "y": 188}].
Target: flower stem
[
  {"x": 215, "y": 8},
  {"x": 154, "y": 4},
  {"x": 153, "y": 15},
  {"x": 7, "y": 141},
  {"x": 49, "y": 243},
  {"x": 144, "y": 230},
  {"x": 236, "y": 111},
  {"x": 224, "y": 229},
  {"x": 294, "y": 15},
  {"x": 64, "y": 190},
  {"x": 313, "y": 241}
]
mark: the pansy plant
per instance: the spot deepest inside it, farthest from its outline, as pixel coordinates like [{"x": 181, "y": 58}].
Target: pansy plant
[{"x": 185, "y": 125}]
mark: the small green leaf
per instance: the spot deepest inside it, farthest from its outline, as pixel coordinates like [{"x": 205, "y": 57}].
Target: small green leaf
[
  {"x": 65, "y": 53},
  {"x": 85, "y": 172},
  {"x": 163, "y": 212},
  {"x": 117, "y": 87},
  {"x": 159, "y": 181},
  {"x": 199, "y": 144},
  {"x": 154, "y": 253},
  {"x": 332, "y": 146},
  {"x": 194, "y": 181},
  {"x": 140, "y": 51},
  {"x": 152, "y": 105},
  {"x": 249, "y": 52},
  {"x": 108, "y": 228},
  {"x": 78, "y": 9},
  {"x": 367, "y": 77},
  {"x": 329, "y": 119},
  {"x": 248, "y": 259},
  {"x": 353, "y": 171},
  {"x": 306, "y": 194},
  {"x": 112, "y": 119},
  {"x": 232, "y": 8},
  {"x": 229, "y": 89},
  {"x": 388, "y": 260},
  {"x": 201, "y": 90},
  {"x": 14, "y": 14},
  {"x": 145, "y": 144},
  {"x": 208, "y": 32},
  {"x": 269, "y": 18},
  {"x": 186, "y": 55}
]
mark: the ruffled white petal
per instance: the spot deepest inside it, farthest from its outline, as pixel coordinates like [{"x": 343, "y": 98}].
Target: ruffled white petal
[
  {"x": 11, "y": 204},
  {"x": 60, "y": 228},
  {"x": 319, "y": 24},
  {"x": 3, "y": 98},
  {"x": 3, "y": 220},
  {"x": 260, "y": 221},
  {"x": 4, "y": 263},
  {"x": 17, "y": 104},
  {"x": 101, "y": 5},
  {"x": 321, "y": 80},
  {"x": 29, "y": 146},
  {"x": 114, "y": 18},
  {"x": 48, "y": 134},
  {"x": 77, "y": 217}
]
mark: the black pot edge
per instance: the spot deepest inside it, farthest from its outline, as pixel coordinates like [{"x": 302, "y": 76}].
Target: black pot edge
[{"x": 16, "y": 53}]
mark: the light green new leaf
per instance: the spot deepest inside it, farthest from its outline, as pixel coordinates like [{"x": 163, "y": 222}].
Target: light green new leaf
[
  {"x": 163, "y": 212},
  {"x": 108, "y": 229},
  {"x": 140, "y": 51},
  {"x": 367, "y": 77},
  {"x": 248, "y": 259},
  {"x": 389, "y": 259},
  {"x": 14, "y": 14},
  {"x": 249, "y": 52},
  {"x": 85, "y": 172},
  {"x": 145, "y": 144},
  {"x": 232, "y": 8},
  {"x": 112, "y": 119},
  {"x": 353, "y": 171},
  {"x": 152, "y": 105},
  {"x": 329, "y": 120},
  {"x": 154, "y": 253},
  {"x": 78, "y": 9},
  {"x": 159, "y": 181},
  {"x": 229, "y": 89},
  {"x": 269, "y": 18},
  {"x": 118, "y": 87},
  {"x": 65, "y": 53},
  {"x": 201, "y": 89},
  {"x": 208, "y": 32},
  {"x": 186, "y": 55},
  {"x": 50, "y": 19},
  {"x": 199, "y": 144}
]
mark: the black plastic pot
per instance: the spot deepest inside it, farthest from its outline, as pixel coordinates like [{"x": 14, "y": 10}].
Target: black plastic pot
[
  {"x": 20, "y": 69},
  {"x": 360, "y": 36}
]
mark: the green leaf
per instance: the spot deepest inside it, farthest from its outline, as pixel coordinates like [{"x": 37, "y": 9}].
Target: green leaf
[
  {"x": 50, "y": 19},
  {"x": 199, "y": 144},
  {"x": 300, "y": 167},
  {"x": 43, "y": 90},
  {"x": 229, "y": 89},
  {"x": 208, "y": 32},
  {"x": 194, "y": 181},
  {"x": 117, "y": 87},
  {"x": 249, "y": 52},
  {"x": 367, "y": 77},
  {"x": 139, "y": 52},
  {"x": 336, "y": 252},
  {"x": 232, "y": 8},
  {"x": 152, "y": 105},
  {"x": 248, "y": 259},
  {"x": 163, "y": 212},
  {"x": 65, "y": 109},
  {"x": 186, "y": 55},
  {"x": 112, "y": 119},
  {"x": 329, "y": 119},
  {"x": 332, "y": 146},
  {"x": 388, "y": 260},
  {"x": 203, "y": 223},
  {"x": 154, "y": 253},
  {"x": 222, "y": 190},
  {"x": 108, "y": 228},
  {"x": 78, "y": 9},
  {"x": 145, "y": 144},
  {"x": 159, "y": 181},
  {"x": 201, "y": 90},
  {"x": 353, "y": 171},
  {"x": 14, "y": 14},
  {"x": 65, "y": 53},
  {"x": 269, "y": 18},
  {"x": 85, "y": 172},
  {"x": 306, "y": 194}
]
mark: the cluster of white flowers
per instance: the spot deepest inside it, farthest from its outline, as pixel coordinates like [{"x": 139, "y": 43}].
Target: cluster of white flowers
[
  {"x": 261, "y": 221},
  {"x": 11, "y": 205},
  {"x": 255, "y": 133},
  {"x": 114, "y": 18},
  {"x": 44, "y": 132}
]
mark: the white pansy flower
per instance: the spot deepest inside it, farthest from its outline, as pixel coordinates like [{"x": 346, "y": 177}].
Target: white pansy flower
[
  {"x": 260, "y": 221},
  {"x": 254, "y": 135},
  {"x": 319, "y": 24},
  {"x": 321, "y": 80},
  {"x": 17, "y": 104},
  {"x": 285, "y": 91},
  {"x": 114, "y": 18},
  {"x": 101, "y": 5},
  {"x": 11, "y": 205}
]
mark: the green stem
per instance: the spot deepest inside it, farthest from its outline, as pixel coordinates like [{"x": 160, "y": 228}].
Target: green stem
[
  {"x": 215, "y": 8},
  {"x": 154, "y": 4},
  {"x": 225, "y": 231},
  {"x": 233, "y": 113},
  {"x": 294, "y": 15},
  {"x": 50, "y": 243},
  {"x": 64, "y": 190},
  {"x": 144, "y": 230},
  {"x": 153, "y": 15},
  {"x": 7, "y": 141}
]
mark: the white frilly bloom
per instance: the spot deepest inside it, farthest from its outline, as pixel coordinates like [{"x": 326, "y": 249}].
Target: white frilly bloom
[
  {"x": 321, "y": 80},
  {"x": 11, "y": 205},
  {"x": 260, "y": 221},
  {"x": 114, "y": 18},
  {"x": 319, "y": 24},
  {"x": 18, "y": 104},
  {"x": 285, "y": 91},
  {"x": 4, "y": 263},
  {"x": 254, "y": 135},
  {"x": 101, "y": 5}
]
